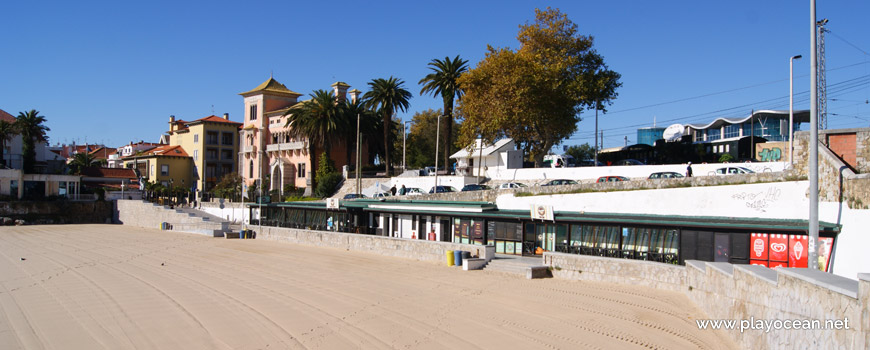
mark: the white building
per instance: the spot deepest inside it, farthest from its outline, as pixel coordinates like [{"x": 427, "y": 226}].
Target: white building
[{"x": 477, "y": 159}]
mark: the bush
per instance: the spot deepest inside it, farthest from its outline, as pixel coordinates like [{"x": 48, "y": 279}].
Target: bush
[
  {"x": 327, "y": 184},
  {"x": 726, "y": 158}
]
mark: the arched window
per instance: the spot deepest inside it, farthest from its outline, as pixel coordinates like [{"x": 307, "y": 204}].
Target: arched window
[{"x": 251, "y": 169}]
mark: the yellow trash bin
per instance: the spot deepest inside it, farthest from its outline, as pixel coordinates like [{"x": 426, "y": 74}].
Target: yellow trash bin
[{"x": 450, "y": 258}]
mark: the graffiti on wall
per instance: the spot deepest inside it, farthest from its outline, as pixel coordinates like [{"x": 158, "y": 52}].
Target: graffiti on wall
[
  {"x": 770, "y": 154},
  {"x": 771, "y": 151},
  {"x": 761, "y": 200}
]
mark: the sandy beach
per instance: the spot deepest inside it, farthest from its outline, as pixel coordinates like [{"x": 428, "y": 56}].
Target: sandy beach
[{"x": 121, "y": 287}]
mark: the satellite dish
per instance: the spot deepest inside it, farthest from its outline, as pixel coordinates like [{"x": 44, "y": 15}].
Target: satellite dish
[{"x": 673, "y": 133}]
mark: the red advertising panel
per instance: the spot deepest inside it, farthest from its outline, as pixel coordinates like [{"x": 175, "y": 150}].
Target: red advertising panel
[
  {"x": 797, "y": 251},
  {"x": 758, "y": 247},
  {"x": 758, "y": 262},
  {"x": 775, "y": 264},
  {"x": 825, "y": 246},
  {"x": 778, "y": 248}
]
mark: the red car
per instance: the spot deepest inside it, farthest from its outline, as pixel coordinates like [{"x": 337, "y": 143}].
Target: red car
[{"x": 611, "y": 178}]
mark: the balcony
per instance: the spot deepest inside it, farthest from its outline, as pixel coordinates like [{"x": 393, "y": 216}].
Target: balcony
[
  {"x": 286, "y": 146},
  {"x": 249, "y": 148}
]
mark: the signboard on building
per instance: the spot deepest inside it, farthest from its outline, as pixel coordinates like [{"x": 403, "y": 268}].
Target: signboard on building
[
  {"x": 332, "y": 203},
  {"x": 542, "y": 212}
]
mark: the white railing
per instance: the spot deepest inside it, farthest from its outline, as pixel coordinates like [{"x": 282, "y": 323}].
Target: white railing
[{"x": 286, "y": 146}]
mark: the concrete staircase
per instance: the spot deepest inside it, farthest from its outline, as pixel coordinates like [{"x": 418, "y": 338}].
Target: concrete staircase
[
  {"x": 513, "y": 264},
  {"x": 151, "y": 215}
]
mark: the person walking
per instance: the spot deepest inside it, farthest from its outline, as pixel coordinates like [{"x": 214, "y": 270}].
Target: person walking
[
  {"x": 402, "y": 190},
  {"x": 689, "y": 170},
  {"x": 393, "y": 190}
]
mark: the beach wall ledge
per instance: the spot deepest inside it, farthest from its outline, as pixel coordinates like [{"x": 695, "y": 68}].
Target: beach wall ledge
[
  {"x": 750, "y": 295},
  {"x": 388, "y": 246}
]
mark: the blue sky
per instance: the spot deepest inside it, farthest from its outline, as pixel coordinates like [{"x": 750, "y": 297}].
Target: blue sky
[{"x": 113, "y": 71}]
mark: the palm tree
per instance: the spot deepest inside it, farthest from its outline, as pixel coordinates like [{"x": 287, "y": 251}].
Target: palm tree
[
  {"x": 7, "y": 130},
  {"x": 442, "y": 81},
  {"x": 387, "y": 96},
  {"x": 31, "y": 127},
  {"x": 83, "y": 160},
  {"x": 350, "y": 110},
  {"x": 318, "y": 120}
]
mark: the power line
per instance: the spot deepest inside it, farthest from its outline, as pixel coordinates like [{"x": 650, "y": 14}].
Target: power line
[
  {"x": 847, "y": 42},
  {"x": 835, "y": 89},
  {"x": 725, "y": 91}
]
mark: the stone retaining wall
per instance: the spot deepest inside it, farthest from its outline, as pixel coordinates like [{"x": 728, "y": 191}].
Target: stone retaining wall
[
  {"x": 387, "y": 246},
  {"x": 838, "y": 182},
  {"x": 58, "y": 212},
  {"x": 745, "y": 292},
  {"x": 634, "y": 184}
]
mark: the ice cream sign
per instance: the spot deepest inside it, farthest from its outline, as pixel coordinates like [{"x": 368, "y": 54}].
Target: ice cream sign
[{"x": 759, "y": 246}]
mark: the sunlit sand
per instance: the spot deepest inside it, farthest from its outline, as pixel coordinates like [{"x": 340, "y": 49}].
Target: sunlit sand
[{"x": 120, "y": 287}]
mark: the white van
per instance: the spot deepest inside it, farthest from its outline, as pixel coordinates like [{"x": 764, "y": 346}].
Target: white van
[{"x": 552, "y": 161}]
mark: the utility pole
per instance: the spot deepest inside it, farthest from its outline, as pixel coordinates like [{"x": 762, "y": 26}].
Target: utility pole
[
  {"x": 813, "y": 256},
  {"x": 821, "y": 84},
  {"x": 595, "y": 161}
]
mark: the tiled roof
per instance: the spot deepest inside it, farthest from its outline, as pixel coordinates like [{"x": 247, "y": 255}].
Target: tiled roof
[
  {"x": 102, "y": 152},
  {"x": 167, "y": 150},
  {"x": 213, "y": 119},
  {"x": 272, "y": 86},
  {"x": 6, "y": 116},
  {"x": 115, "y": 173}
]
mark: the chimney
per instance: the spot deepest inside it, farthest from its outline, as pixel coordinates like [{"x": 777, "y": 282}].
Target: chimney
[
  {"x": 226, "y": 116},
  {"x": 354, "y": 95},
  {"x": 340, "y": 90}
]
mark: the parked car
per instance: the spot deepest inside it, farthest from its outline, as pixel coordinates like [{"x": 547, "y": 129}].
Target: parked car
[
  {"x": 508, "y": 185},
  {"x": 442, "y": 189},
  {"x": 381, "y": 195},
  {"x": 559, "y": 182},
  {"x": 665, "y": 175},
  {"x": 354, "y": 196},
  {"x": 732, "y": 170},
  {"x": 474, "y": 187},
  {"x": 413, "y": 191},
  {"x": 628, "y": 162},
  {"x": 611, "y": 178}
]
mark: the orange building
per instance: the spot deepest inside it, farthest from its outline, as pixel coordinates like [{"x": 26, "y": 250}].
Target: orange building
[{"x": 268, "y": 148}]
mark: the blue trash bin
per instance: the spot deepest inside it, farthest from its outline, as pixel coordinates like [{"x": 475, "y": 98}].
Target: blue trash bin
[{"x": 457, "y": 257}]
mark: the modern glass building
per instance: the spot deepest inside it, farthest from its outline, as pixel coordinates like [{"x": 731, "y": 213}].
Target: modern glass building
[
  {"x": 649, "y": 136},
  {"x": 769, "y": 125}
]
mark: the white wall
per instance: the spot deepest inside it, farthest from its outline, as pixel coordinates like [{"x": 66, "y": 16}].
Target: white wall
[
  {"x": 780, "y": 200},
  {"x": 631, "y": 171}
]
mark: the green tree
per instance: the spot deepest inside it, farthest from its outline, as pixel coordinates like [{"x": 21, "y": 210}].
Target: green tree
[
  {"x": 421, "y": 139},
  {"x": 7, "y": 130},
  {"x": 535, "y": 94},
  {"x": 387, "y": 96},
  {"x": 30, "y": 125},
  {"x": 229, "y": 186},
  {"x": 319, "y": 120},
  {"x": 327, "y": 177},
  {"x": 368, "y": 121},
  {"x": 82, "y": 160},
  {"x": 581, "y": 152},
  {"x": 443, "y": 81}
]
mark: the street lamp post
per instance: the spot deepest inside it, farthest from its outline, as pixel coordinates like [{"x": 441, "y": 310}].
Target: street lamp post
[
  {"x": 791, "y": 109},
  {"x": 357, "y": 157},
  {"x": 437, "y": 142}
]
